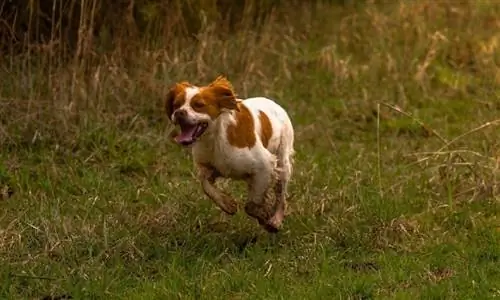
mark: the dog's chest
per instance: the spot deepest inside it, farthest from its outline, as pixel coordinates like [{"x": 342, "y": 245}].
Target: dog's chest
[{"x": 228, "y": 161}]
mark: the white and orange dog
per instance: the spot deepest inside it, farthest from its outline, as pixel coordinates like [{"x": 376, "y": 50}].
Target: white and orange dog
[{"x": 249, "y": 140}]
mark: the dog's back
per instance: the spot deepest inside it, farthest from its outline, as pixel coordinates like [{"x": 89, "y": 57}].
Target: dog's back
[{"x": 273, "y": 125}]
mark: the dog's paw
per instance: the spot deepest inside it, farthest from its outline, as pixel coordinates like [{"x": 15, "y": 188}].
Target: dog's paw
[
  {"x": 228, "y": 205},
  {"x": 263, "y": 215},
  {"x": 276, "y": 221},
  {"x": 270, "y": 228},
  {"x": 260, "y": 212}
]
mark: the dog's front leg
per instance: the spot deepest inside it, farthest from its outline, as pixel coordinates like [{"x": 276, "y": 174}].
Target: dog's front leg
[{"x": 207, "y": 176}]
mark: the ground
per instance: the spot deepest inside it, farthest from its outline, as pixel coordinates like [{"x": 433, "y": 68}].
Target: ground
[{"x": 394, "y": 194}]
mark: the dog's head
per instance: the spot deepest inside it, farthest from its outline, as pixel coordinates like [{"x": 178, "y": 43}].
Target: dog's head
[{"x": 195, "y": 109}]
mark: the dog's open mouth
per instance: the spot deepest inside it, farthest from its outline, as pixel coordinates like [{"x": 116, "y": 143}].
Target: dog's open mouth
[{"x": 190, "y": 132}]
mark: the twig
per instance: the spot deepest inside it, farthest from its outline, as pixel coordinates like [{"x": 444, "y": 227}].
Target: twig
[
  {"x": 440, "y": 137},
  {"x": 449, "y": 152},
  {"x": 487, "y": 124},
  {"x": 33, "y": 277},
  {"x": 422, "y": 124},
  {"x": 379, "y": 165}
]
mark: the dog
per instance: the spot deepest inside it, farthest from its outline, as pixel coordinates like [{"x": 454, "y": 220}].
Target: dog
[{"x": 250, "y": 140}]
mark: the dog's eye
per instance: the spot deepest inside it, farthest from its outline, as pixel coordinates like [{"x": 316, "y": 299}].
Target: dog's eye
[{"x": 198, "y": 104}]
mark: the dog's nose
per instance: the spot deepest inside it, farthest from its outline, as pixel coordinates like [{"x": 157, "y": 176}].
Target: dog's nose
[{"x": 180, "y": 114}]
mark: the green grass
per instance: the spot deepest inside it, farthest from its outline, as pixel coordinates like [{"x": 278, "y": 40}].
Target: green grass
[{"x": 105, "y": 206}]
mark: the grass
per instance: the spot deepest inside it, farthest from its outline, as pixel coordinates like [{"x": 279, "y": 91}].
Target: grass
[{"x": 394, "y": 193}]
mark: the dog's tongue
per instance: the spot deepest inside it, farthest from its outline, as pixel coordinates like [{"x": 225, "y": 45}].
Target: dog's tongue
[{"x": 186, "y": 135}]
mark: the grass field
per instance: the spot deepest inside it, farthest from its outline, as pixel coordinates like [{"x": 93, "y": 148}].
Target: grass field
[{"x": 395, "y": 191}]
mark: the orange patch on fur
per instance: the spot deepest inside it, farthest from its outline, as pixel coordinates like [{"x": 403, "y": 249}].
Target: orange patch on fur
[
  {"x": 215, "y": 97},
  {"x": 266, "y": 129},
  {"x": 176, "y": 97},
  {"x": 210, "y": 100},
  {"x": 206, "y": 103},
  {"x": 242, "y": 134}
]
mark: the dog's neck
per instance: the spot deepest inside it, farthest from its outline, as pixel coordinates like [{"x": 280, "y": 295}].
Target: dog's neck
[{"x": 216, "y": 132}]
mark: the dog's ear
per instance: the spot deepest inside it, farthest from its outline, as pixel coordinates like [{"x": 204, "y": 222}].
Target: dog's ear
[
  {"x": 224, "y": 93},
  {"x": 169, "y": 101}
]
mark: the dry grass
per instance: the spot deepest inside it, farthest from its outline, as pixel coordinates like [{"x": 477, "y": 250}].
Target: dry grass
[{"x": 395, "y": 193}]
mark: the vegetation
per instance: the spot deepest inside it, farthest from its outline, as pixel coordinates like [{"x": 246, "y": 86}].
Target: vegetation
[{"x": 395, "y": 190}]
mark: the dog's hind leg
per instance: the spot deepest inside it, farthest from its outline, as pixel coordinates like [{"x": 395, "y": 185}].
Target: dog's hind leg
[
  {"x": 207, "y": 176},
  {"x": 285, "y": 166},
  {"x": 260, "y": 190}
]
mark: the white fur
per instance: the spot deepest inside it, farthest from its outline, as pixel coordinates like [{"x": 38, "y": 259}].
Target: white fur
[
  {"x": 263, "y": 168},
  {"x": 192, "y": 114}
]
